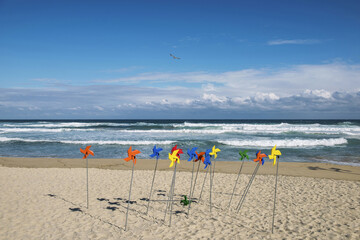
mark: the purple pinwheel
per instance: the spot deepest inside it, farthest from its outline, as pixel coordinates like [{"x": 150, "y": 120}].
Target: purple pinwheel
[{"x": 156, "y": 152}]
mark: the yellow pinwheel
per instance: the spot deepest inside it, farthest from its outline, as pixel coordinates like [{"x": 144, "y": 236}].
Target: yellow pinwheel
[
  {"x": 173, "y": 158},
  {"x": 274, "y": 154},
  {"x": 214, "y": 151}
]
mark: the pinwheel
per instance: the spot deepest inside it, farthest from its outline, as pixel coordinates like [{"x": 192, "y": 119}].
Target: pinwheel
[
  {"x": 199, "y": 158},
  {"x": 86, "y": 153},
  {"x": 156, "y": 152},
  {"x": 185, "y": 201},
  {"x": 131, "y": 156},
  {"x": 173, "y": 157},
  {"x": 242, "y": 156},
  {"x": 275, "y": 154},
  {"x": 179, "y": 152},
  {"x": 260, "y": 159}
]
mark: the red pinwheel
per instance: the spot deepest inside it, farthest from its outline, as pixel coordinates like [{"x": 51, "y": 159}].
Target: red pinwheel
[
  {"x": 132, "y": 155},
  {"x": 86, "y": 152},
  {"x": 179, "y": 152},
  {"x": 260, "y": 157}
]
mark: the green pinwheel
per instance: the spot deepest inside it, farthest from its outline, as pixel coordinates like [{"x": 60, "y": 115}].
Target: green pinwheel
[
  {"x": 185, "y": 201},
  {"x": 243, "y": 155}
]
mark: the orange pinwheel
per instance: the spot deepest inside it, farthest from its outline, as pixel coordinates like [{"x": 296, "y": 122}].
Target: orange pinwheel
[
  {"x": 86, "y": 152},
  {"x": 132, "y": 155},
  {"x": 200, "y": 156},
  {"x": 260, "y": 157}
]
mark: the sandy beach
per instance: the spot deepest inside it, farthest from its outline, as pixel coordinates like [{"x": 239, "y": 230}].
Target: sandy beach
[{"x": 45, "y": 198}]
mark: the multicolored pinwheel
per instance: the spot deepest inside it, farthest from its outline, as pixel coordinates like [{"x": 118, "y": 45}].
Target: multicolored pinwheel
[
  {"x": 260, "y": 157},
  {"x": 156, "y": 152},
  {"x": 173, "y": 157},
  {"x": 274, "y": 154},
  {"x": 179, "y": 152},
  {"x": 132, "y": 155},
  {"x": 86, "y": 152}
]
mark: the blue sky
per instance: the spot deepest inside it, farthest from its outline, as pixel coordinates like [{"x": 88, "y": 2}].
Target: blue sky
[{"x": 239, "y": 59}]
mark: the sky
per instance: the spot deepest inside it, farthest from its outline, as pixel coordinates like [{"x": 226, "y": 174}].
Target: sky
[{"x": 238, "y": 59}]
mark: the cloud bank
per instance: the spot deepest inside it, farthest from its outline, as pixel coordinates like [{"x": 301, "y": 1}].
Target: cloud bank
[{"x": 303, "y": 91}]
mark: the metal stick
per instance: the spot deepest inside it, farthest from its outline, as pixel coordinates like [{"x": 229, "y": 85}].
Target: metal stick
[
  {"x": 169, "y": 195},
  {"x": 190, "y": 195},
  {"x": 235, "y": 184},
  {"x": 172, "y": 195},
  {"x": 211, "y": 178},
  {"x": 252, "y": 176},
  {"x": 127, "y": 211},
  {"x": 248, "y": 189},
  {"x": 277, "y": 168},
  {"x": 87, "y": 184},
  {"x": 193, "y": 191},
  {"x": 203, "y": 184},
  {"x": 152, "y": 184}
]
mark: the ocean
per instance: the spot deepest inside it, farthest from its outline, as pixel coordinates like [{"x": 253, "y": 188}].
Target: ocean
[{"x": 327, "y": 141}]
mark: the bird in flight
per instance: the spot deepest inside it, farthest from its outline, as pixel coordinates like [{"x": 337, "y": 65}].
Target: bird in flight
[
  {"x": 86, "y": 152},
  {"x": 174, "y": 56}
]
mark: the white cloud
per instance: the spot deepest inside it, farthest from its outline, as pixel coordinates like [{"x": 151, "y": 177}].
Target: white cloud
[{"x": 293, "y": 41}]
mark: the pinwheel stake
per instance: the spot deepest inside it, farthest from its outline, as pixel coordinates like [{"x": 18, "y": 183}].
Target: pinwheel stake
[
  {"x": 213, "y": 153},
  {"x": 86, "y": 153},
  {"x": 275, "y": 154},
  {"x": 174, "y": 157},
  {"x": 200, "y": 157},
  {"x": 207, "y": 162},
  {"x": 156, "y": 152},
  {"x": 259, "y": 158},
  {"x": 242, "y": 156},
  {"x": 131, "y": 156}
]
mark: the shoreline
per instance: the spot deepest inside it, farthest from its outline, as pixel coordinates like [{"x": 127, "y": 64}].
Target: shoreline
[{"x": 295, "y": 169}]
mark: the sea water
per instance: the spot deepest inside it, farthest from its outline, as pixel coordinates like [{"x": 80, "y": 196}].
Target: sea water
[{"x": 332, "y": 141}]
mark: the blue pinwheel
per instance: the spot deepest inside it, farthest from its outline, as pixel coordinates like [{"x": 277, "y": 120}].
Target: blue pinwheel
[
  {"x": 207, "y": 160},
  {"x": 192, "y": 153},
  {"x": 156, "y": 152}
]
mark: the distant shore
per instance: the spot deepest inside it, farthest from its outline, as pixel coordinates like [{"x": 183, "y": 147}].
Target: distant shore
[{"x": 297, "y": 169}]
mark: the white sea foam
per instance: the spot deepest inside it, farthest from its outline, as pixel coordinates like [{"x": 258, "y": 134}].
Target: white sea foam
[
  {"x": 285, "y": 143},
  {"x": 100, "y": 142},
  {"x": 18, "y": 130}
]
